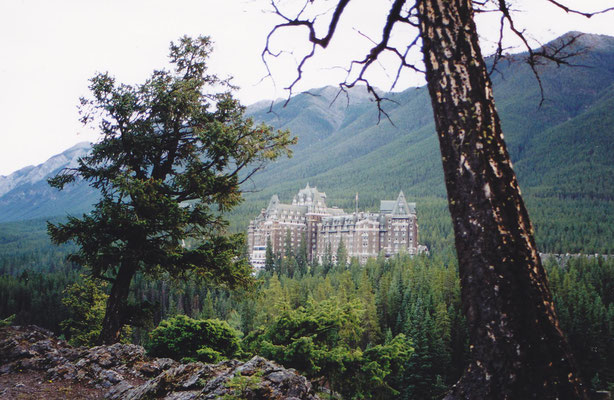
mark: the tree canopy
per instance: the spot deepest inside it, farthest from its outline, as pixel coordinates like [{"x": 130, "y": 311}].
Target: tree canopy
[{"x": 172, "y": 156}]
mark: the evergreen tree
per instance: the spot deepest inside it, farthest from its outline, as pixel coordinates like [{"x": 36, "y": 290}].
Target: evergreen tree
[
  {"x": 372, "y": 333},
  {"x": 420, "y": 380},
  {"x": 269, "y": 262},
  {"x": 301, "y": 257},
  {"x": 172, "y": 155},
  {"x": 85, "y": 303},
  {"x": 208, "y": 310},
  {"x": 327, "y": 262},
  {"x": 288, "y": 262},
  {"x": 342, "y": 256}
]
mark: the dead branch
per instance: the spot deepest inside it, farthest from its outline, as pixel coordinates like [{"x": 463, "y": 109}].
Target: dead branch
[
  {"x": 560, "y": 52},
  {"x": 583, "y": 13},
  {"x": 396, "y": 14}
]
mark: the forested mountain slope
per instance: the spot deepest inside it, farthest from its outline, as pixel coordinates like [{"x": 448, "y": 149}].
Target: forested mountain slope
[
  {"x": 573, "y": 128},
  {"x": 563, "y": 152}
]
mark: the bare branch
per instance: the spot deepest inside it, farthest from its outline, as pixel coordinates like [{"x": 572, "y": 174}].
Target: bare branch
[
  {"x": 404, "y": 63},
  {"x": 309, "y": 24},
  {"x": 365, "y": 36},
  {"x": 584, "y": 14},
  {"x": 396, "y": 14},
  {"x": 532, "y": 59},
  {"x": 560, "y": 52},
  {"x": 499, "y": 52}
]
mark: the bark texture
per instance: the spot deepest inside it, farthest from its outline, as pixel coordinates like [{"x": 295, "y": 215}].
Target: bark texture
[
  {"x": 517, "y": 348},
  {"x": 115, "y": 315}
]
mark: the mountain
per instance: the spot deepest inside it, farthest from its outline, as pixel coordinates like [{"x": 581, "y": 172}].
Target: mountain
[
  {"x": 563, "y": 129},
  {"x": 322, "y": 110},
  {"x": 34, "y": 174},
  {"x": 563, "y": 153},
  {"x": 25, "y": 193},
  {"x": 563, "y": 150}
]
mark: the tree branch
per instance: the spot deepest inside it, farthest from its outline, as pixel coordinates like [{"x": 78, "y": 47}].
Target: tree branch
[
  {"x": 395, "y": 15},
  {"x": 584, "y": 14}
]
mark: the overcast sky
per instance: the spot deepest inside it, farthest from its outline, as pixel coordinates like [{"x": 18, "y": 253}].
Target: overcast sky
[{"x": 49, "y": 50}]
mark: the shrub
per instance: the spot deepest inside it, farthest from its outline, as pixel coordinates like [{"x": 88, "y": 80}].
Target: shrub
[
  {"x": 7, "y": 321},
  {"x": 184, "y": 338},
  {"x": 85, "y": 302}
]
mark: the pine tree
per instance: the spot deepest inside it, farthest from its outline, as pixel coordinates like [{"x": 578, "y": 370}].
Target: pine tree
[
  {"x": 208, "y": 309},
  {"x": 327, "y": 262},
  {"x": 342, "y": 256},
  {"x": 288, "y": 261},
  {"x": 269, "y": 263},
  {"x": 301, "y": 257},
  {"x": 85, "y": 302},
  {"x": 173, "y": 154}
]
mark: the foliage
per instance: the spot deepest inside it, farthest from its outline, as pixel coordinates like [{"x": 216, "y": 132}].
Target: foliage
[
  {"x": 85, "y": 302},
  {"x": 240, "y": 385},
  {"x": 383, "y": 367},
  {"x": 7, "y": 321},
  {"x": 184, "y": 338},
  {"x": 171, "y": 160},
  {"x": 416, "y": 297},
  {"x": 322, "y": 341},
  {"x": 584, "y": 298}
]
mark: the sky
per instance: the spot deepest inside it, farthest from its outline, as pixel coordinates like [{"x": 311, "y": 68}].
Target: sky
[{"x": 49, "y": 50}]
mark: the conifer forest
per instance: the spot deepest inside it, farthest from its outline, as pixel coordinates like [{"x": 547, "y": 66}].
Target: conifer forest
[
  {"x": 141, "y": 236},
  {"x": 392, "y": 328}
]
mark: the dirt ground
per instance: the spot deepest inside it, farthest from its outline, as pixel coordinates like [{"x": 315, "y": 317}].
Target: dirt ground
[{"x": 32, "y": 385}]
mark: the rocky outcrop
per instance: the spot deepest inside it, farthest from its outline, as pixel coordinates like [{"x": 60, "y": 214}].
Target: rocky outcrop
[
  {"x": 32, "y": 348},
  {"x": 255, "y": 379},
  {"x": 125, "y": 372}
]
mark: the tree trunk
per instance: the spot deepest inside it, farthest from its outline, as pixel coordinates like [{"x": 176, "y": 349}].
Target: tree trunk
[
  {"x": 116, "y": 306},
  {"x": 517, "y": 348}
]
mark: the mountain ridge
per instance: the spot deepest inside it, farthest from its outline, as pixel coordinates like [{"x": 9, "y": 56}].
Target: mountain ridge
[
  {"x": 25, "y": 194},
  {"x": 563, "y": 151},
  {"x": 34, "y": 173}
]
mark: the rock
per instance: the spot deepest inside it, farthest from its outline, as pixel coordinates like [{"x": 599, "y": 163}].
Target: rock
[
  {"x": 127, "y": 373},
  {"x": 32, "y": 348},
  {"x": 154, "y": 367},
  {"x": 63, "y": 371},
  {"x": 110, "y": 378},
  {"x": 255, "y": 379},
  {"x": 108, "y": 365},
  {"x": 181, "y": 378},
  {"x": 118, "y": 391},
  {"x": 183, "y": 396}
]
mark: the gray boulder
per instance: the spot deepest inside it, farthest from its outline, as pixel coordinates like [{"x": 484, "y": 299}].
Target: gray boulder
[{"x": 126, "y": 372}]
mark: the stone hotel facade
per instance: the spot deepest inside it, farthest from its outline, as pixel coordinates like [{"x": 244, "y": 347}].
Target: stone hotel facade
[{"x": 392, "y": 230}]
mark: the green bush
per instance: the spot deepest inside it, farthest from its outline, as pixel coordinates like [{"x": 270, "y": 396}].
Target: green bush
[
  {"x": 86, "y": 303},
  {"x": 184, "y": 338},
  {"x": 7, "y": 321}
]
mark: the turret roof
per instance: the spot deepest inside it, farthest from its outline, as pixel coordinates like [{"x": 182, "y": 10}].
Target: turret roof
[{"x": 400, "y": 206}]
